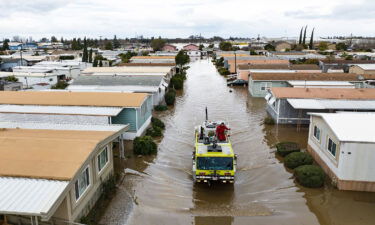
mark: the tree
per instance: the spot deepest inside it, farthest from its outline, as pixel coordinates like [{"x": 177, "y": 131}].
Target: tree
[
  {"x": 182, "y": 58},
  {"x": 62, "y": 40},
  {"x": 108, "y": 46},
  {"x": 201, "y": 46},
  {"x": 323, "y": 46},
  {"x": 158, "y": 44},
  {"x": 225, "y": 46},
  {"x": 211, "y": 46},
  {"x": 90, "y": 55},
  {"x": 95, "y": 63},
  {"x": 304, "y": 36},
  {"x": 311, "y": 46},
  {"x": 341, "y": 46},
  {"x": 100, "y": 63},
  {"x": 85, "y": 55},
  {"x": 300, "y": 36},
  {"x": 6, "y": 44},
  {"x": 116, "y": 43},
  {"x": 269, "y": 47},
  {"x": 54, "y": 39}
]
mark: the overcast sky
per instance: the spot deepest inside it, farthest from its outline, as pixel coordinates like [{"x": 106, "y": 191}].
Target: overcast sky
[{"x": 182, "y": 18}]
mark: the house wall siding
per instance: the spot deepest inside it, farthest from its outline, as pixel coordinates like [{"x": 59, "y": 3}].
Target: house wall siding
[{"x": 127, "y": 116}]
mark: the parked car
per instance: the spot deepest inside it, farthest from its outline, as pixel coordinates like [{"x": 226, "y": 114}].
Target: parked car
[{"x": 238, "y": 82}]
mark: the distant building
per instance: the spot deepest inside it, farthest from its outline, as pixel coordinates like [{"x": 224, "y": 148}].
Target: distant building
[
  {"x": 327, "y": 64},
  {"x": 362, "y": 69},
  {"x": 169, "y": 48},
  {"x": 191, "y": 47},
  {"x": 343, "y": 145},
  {"x": 153, "y": 59},
  {"x": 289, "y": 105},
  {"x": 167, "y": 71},
  {"x": 7, "y": 64},
  {"x": 282, "y": 46}
]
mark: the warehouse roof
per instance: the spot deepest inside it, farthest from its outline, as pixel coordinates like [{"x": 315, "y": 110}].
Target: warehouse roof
[
  {"x": 351, "y": 127},
  {"x": 119, "y": 80},
  {"x": 308, "y": 76},
  {"x": 57, "y": 98},
  {"x": 46, "y": 154},
  {"x": 324, "y": 93}
]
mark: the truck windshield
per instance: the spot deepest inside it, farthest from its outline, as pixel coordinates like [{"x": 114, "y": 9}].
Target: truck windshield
[{"x": 215, "y": 163}]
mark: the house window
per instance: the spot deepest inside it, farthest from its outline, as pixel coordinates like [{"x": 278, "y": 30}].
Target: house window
[
  {"x": 102, "y": 159},
  {"x": 82, "y": 183},
  {"x": 317, "y": 133},
  {"x": 331, "y": 147},
  {"x": 265, "y": 86},
  {"x": 144, "y": 108}
]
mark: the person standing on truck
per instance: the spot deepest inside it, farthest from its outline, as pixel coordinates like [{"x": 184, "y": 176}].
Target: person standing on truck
[{"x": 220, "y": 132}]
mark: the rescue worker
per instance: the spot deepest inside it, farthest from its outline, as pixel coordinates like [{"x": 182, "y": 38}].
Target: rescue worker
[{"x": 220, "y": 132}]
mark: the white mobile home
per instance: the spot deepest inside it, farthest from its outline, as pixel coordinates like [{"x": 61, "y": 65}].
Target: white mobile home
[{"x": 343, "y": 145}]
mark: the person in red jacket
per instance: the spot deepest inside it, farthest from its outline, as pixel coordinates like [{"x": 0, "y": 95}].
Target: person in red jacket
[{"x": 220, "y": 132}]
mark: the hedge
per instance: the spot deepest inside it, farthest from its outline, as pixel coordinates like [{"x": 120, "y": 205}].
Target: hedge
[
  {"x": 154, "y": 131},
  {"x": 223, "y": 71},
  {"x": 311, "y": 176},
  {"x": 285, "y": 148},
  {"x": 269, "y": 121},
  {"x": 296, "y": 159},
  {"x": 161, "y": 107},
  {"x": 144, "y": 146},
  {"x": 170, "y": 97},
  {"x": 157, "y": 123},
  {"x": 177, "y": 83}
]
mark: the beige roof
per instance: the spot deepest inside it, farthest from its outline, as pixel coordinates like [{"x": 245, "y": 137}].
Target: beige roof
[
  {"x": 129, "y": 69},
  {"x": 46, "y": 154},
  {"x": 148, "y": 64},
  {"x": 263, "y": 66},
  {"x": 153, "y": 57},
  {"x": 237, "y": 55},
  {"x": 65, "y": 98},
  {"x": 324, "y": 93},
  {"x": 305, "y": 76}
]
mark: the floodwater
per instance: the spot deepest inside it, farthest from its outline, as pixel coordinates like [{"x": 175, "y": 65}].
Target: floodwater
[{"x": 160, "y": 190}]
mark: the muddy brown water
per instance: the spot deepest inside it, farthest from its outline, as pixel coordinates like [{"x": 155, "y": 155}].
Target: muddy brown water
[{"x": 161, "y": 190}]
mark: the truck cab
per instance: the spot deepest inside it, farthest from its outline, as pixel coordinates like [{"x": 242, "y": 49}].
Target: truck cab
[{"x": 213, "y": 160}]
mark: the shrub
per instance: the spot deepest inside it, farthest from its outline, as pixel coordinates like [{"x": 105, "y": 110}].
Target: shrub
[
  {"x": 161, "y": 107},
  {"x": 144, "y": 146},
  {"x": 296, "y": 159},
  {"x": 60, "y": 85},
  {"x": 269, "y": 121},
  {"x": 177, "y": 83},
  {"x": 157, "y": 123},
  {"x": 11, "y": 79},
  {"x": 223, "y": 71},
  {"x": 285, "y": 148},
  {"x": 154, "y": 131},
  {"x": 170, "y": 97},
  {"x": 310, "y": 176}
]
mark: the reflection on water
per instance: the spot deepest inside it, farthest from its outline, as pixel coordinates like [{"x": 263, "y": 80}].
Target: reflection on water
[{"x": 264, "y": 191}]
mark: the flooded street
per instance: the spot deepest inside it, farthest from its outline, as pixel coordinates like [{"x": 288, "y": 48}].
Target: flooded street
[{"x": 160, "y": 190}]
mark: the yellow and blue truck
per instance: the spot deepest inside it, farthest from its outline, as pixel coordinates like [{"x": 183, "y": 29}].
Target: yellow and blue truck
[{"x": 213, "y": 160}]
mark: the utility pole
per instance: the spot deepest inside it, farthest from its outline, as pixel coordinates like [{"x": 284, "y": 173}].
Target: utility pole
[{"x": 235, "y": 62}]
